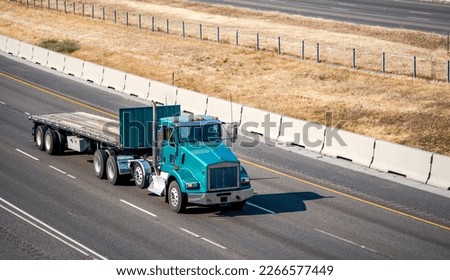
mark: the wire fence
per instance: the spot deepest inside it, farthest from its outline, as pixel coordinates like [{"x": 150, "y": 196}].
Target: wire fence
[{"x": 432, "y": 68}]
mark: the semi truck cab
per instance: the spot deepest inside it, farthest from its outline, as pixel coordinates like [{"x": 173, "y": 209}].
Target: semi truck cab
[{"x": 199, "y": 167}]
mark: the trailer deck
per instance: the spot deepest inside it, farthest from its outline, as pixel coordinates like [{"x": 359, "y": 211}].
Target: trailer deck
[{"x": 83, "y": 124}]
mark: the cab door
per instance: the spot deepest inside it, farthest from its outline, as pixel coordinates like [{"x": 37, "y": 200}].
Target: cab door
[{"x": 169, "y": 149}]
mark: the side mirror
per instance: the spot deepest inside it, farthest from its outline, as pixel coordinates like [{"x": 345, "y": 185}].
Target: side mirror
[
  {"x": 234, "y": 134},
  {"x": 230, "y": 131}
]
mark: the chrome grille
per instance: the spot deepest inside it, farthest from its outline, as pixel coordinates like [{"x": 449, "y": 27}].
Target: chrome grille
[{"x": 223, "y": 176}]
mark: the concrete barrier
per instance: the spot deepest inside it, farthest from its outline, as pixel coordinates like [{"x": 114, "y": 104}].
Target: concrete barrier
[
  {"x": 394, "y": 158},
  {"x": 138, "y": 86},
  {"x": 440, "y": 172},
  {"x": 92, "y": 73},
  {"x": 114, "y": 79},
  {"x": 163, "y": 93},
  {"x": 40, "y": 56},
  {"x": 308, "y": 135},
  {"x": 350, "y": 146},
  {"x": 73, "y": 67},
  {"x": 3, "y": 41},
  {"x": 26, "y": 51},
  {"x": 225, "y": 110},
  {"x": 56, "y": 61},
  {"x": 191, "y": 101},
  {"x": 261, "y": 122},
  {"x": 12, "y": 46}
]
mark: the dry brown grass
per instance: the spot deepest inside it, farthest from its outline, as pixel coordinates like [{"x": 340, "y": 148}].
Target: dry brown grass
[{"x": 398, "y": 109}]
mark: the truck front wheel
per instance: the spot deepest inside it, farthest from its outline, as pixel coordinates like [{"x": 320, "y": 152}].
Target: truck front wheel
[
  {"x": 100, "y": 157},
  {"x": 177, "y": 199}
]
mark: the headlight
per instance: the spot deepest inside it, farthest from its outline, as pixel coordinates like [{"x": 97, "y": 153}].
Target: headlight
[
  {"x": 193, "y": 185},
  {"x": 245, "y": 181}
]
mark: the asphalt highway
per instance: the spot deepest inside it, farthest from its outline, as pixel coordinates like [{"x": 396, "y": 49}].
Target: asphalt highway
[
  {"x": 409, "y": 14},
  {"x": 53, "y": 207}
]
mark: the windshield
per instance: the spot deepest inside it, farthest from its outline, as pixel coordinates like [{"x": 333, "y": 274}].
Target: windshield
[{"x": 205, "y": 133}]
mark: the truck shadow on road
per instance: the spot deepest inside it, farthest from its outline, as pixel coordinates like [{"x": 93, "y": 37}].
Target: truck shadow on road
[{"x": 266, "y": 204}]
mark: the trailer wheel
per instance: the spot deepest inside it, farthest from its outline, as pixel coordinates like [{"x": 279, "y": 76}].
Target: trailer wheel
[
  {"x": 112, "y": 171},
  {"x": 177, "y": 199},
  {"x": 99, "y": 159},
  {"x": 139, "y": 176},
  {"x": 40, "y": 135},
  {"x": 51, "y": 142},
  {"x": 62, "y": 140}
]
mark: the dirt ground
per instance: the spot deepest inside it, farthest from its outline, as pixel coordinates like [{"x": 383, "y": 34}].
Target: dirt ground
[{"x": 390, "y": 107}]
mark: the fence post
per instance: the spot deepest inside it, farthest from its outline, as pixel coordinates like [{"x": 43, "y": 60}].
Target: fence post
[
  {"x": 140, "y": 21},
  {"x": 126, "y": 18},
  {"x": 218, "y": 34},
  {"x": 73, "y": 4},
  {"x": 354, "y": 59},
  {"x": 93, "y": 11},
  {"x": 167, "y": 27},
  {"x": 257, "y": 41},
  {"x": 48, "y": 3},
  {"x": 448, "y": 43},
  {"x": 383, "y": 63},
  {"x": 56, "y": 2},
  {"x": 237, "y": 38},
  {"x": 104, "y": 13},
  {"x": 414, "y": 67},
  {"x": 279, "y": 45},
  {"x": 318, "y": 53},
  {"x": 303, "y": 49},
  {"x": 448, "y": 71},
  {"x": 183, "y": 27},
  {"x": 153, "y": 24},
  {"x": 65, "y": 7},
  {"x": 82, "y": 9},
  {"x": 200, "y": 32},
  {"x": 115, "y": 16}
]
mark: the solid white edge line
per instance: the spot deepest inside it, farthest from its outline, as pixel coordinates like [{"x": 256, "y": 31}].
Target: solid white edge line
[
  {"x": 214, "y": 243},
  {"x": 346, "y": 240},
  {"x": 71, "y": 176},
  {"x": 28, "y": 155},
  {"x": 49, "y": 227},
  {"x": 138, "y": 208},
  {"x": 190, "y": 232},
  {"x": 59, "y": 170},
  {"x": 259, "y": 207},
  {"x": 45, "y": 231}
]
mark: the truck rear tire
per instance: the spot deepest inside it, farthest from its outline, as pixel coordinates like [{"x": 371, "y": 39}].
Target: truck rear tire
[
  {"x": 99, "y": 159},
  {"x": 40, "y": 137},
  {"x": 139, "y": 177},
  {"x": 112, "y": 171},
  {"x": 51, "y": 142},
  {"x": 177, "y": 199}
]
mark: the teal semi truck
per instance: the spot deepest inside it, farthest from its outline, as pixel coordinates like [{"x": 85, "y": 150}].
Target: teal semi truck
[{"x": 181, "y": 157}]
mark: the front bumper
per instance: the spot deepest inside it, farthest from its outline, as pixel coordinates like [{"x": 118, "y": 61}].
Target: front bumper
[{"x": 222, "y": 197}]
